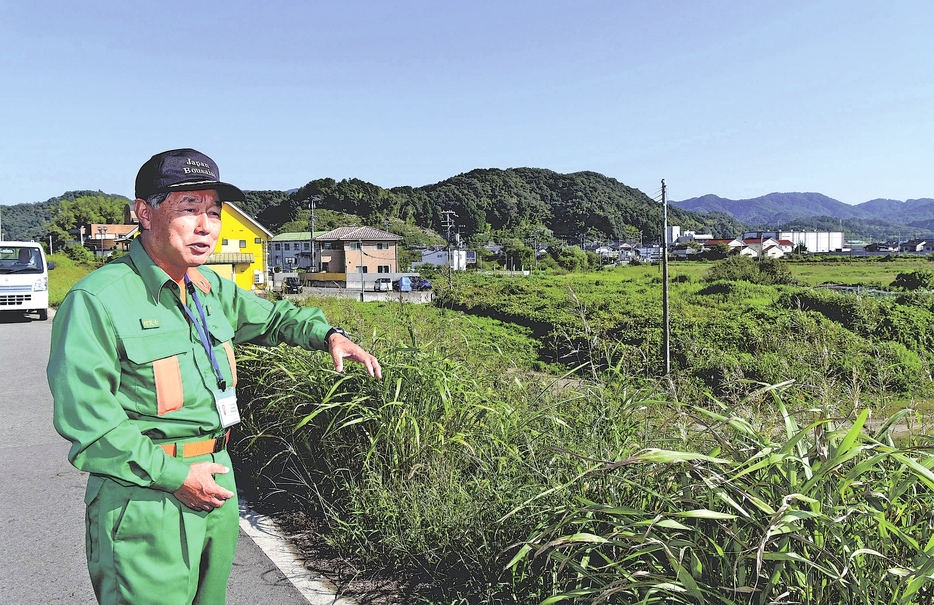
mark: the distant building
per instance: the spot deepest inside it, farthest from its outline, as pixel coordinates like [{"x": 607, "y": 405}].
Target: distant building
[
  {"x": 813, "y": 241},
  {"x": 350, "y": 250},
  {"x": 240, "y": 252},
  {"x": 765, "y": 247},
  {"x": 674, "y": 232},
  {"x": 103, "y": 239},
  {"x": 456, "y": 259},
  {"x": 691, "y": 236},
  {"x": 882, "y": 247},
  {"x": 912, "y": 245},
  {"x": 292, "y": 251}
]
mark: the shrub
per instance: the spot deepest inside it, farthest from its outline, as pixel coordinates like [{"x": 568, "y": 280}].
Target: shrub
[
  {"x": 80, "y": 254},
  {"x": 918, "y": 279},
  {"x": 767, "y": 271}
]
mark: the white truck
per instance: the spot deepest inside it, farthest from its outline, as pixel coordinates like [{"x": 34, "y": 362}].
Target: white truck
[{"x": 24, "y": 278}]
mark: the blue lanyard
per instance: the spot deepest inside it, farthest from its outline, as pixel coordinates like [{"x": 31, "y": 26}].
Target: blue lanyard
[{"x": 204, "y": 333}]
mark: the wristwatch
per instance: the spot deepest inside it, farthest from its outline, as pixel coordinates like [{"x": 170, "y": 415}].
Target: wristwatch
[{"x": 332, "y": 331}]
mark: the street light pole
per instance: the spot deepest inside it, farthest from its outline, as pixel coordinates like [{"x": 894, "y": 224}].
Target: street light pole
[
  {"x": 101, "y": 232},
  {"x": 311, "y": 206},
  {"x": 665, "y": 319}
]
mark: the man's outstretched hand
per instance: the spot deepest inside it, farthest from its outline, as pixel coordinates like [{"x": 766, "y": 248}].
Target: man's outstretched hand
[{"x": 342, "y": 348}]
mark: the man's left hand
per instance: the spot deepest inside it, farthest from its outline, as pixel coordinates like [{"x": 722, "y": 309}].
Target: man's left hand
[{"x": 342, "y": 348}]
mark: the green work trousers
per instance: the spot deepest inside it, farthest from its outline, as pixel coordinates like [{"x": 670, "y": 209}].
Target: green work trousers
[{"x": 146, "y": 547}]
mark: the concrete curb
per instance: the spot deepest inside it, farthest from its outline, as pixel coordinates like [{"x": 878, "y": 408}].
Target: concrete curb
[{"x": 316, "y": 589}]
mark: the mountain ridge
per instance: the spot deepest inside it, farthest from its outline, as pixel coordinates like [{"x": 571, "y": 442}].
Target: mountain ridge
[{"x": 777, "y": 208}]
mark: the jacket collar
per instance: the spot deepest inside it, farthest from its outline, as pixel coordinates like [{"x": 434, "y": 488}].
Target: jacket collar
[{"x": 155, "y": 279}]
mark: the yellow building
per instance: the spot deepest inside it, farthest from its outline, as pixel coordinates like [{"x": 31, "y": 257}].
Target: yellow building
[{"x": 240, "y": 254}]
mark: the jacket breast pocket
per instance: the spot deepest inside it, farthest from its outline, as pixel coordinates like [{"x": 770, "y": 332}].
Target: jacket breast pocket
[{"x": 156, "y": 364}]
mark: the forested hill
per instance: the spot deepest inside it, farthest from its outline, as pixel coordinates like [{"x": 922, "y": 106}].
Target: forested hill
[
  {"x": 488, "y": 205},
  {"x": 30, "y": 222},
  {"x": 517, "y": 201}
]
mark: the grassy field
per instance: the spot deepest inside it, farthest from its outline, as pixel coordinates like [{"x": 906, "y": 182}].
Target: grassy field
[
  {"x": 485, "y": 483},
  {"x": 65, "y": 275},
  {"x": 866, "y": 271}
]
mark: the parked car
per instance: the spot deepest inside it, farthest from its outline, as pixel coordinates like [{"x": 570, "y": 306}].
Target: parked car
[
  {"x": 420, "y": 283},
  {"x": 292, "y": 286},
  {"x": 403, "y": 284},
  {"x": 383, "y": 284},
  {"x": 411, "y": 283}
]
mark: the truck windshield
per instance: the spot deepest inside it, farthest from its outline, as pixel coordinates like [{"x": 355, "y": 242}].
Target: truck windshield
[{"x": 20, "y": 259}]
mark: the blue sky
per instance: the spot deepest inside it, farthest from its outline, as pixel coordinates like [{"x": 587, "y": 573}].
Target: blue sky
[{"x": 739, "y": 98}]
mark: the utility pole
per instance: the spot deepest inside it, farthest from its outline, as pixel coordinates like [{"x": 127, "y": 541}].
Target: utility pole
[
  {"x": 447, "y": 222},
  {"x": 362, "y": 288},
  {"x": 311, "y": 222},
  {"x": 665, "y": 317}
]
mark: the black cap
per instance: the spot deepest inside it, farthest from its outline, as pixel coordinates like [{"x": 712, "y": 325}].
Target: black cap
[{"x": 183, "y": 170}]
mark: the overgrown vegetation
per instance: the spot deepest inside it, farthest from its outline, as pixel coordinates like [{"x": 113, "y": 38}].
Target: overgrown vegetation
[{"x": 498, "y": 484}]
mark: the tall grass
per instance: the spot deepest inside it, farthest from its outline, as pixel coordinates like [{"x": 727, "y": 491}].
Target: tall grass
[
  {"x": 417, "y": 470},
  {"x": 496, "y": 484},
  {"x": 828, "y": 512},
  {"x": 511, "y": 495}
]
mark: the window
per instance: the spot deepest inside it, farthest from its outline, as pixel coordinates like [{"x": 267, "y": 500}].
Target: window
[
  {"x": 362, "y": 269},
  {"x": 257, "y": 240},
  {"x": 242, "y": 244},
  {"x": 278, "y": 246},
  {"x": 223, "y": 242},
  {"x": 382, "y": 245},
  {"x": 305, "y": 246},
  {"x": 288, "y": 246},
  {"x": 353, "y": 245},
  {"x": 383, "y": 269},
  {"x": 328, "y": 245}
]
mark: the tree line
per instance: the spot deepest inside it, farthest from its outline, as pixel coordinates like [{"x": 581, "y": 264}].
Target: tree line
[{"x": 488, "y": 205}]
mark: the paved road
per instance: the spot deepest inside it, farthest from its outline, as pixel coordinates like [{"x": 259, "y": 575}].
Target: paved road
[{"x": 42, "y": 496}]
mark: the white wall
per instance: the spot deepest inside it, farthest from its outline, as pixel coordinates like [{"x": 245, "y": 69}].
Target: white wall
[
  {"x": 814, "y": 241},
  {"x": 439, "y": 258}
]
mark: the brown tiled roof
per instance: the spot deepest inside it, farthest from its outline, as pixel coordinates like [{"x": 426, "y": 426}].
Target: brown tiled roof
[{"x": 358, "y": 233}]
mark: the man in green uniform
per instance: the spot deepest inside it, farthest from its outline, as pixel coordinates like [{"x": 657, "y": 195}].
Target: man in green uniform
[{"x": 142, "y": 374}]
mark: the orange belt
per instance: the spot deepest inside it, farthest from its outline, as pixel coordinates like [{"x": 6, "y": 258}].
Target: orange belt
[{"x": 197, "y": 448}]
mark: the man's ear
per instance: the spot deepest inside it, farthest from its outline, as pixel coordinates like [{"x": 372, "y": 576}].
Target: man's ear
[{"x": 143, "y": 213}]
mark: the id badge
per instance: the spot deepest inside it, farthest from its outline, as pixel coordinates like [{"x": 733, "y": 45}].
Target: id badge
[{"x": 226, "y": 402}]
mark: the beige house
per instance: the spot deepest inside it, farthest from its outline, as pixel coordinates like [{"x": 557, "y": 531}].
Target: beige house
[
  {"x": 358, "y": 250},
  {"x": 355, "y": 254},
  {"x": 103, "y": 238}
]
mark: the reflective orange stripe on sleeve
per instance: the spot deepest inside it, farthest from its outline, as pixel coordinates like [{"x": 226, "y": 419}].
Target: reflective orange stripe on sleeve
[{"x": 168, "y": 378}]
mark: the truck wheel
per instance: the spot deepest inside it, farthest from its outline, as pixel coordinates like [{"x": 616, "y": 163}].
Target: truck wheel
[{"x": 43, "y": 314}]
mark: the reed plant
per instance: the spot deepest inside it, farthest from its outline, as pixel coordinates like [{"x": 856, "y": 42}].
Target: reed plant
[
  {"x": 828, "y": 511},
  {"x": 418, "y": 472}
]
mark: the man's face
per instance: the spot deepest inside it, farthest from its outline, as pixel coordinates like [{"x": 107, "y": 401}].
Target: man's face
[{"x": 182, "y": 232}]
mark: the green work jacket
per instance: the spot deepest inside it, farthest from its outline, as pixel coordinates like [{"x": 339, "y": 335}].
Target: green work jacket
[{"x": 128, "y": 370}]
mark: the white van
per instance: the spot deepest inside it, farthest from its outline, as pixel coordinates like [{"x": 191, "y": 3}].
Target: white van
[{"x": 24, "y": 278}]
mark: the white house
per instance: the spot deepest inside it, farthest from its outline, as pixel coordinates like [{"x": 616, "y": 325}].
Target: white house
[{"x": 456, "y": 259}]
